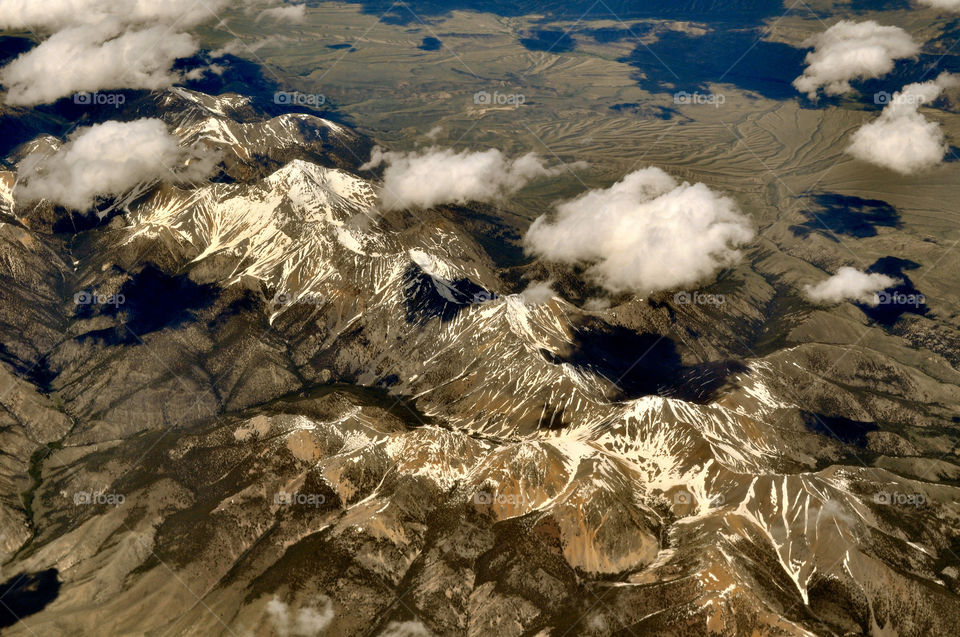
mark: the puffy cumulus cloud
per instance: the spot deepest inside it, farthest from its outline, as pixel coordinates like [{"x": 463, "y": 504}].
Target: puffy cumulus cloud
[
  {"x": 107, "y": 159},
  {"x": 645, "y": 233},
  {"x": 96, "y": 45},
  {"x": 306, "y": 622},
  {"x": 850, "y": 284},
  {"x": 53, "y": 15},
  {"x": 902, "y": 139},
  {"x": 852, "y": 50},
  {"x": 93, "y": 58},
  {"x": 437, "y": 176},
  {"x": 292, "y": 13}
]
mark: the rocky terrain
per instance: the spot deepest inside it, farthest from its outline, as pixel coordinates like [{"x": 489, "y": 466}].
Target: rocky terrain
[{"x": 261, "y": 405}]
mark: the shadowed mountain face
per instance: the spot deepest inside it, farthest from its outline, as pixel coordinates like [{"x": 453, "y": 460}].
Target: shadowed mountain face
[
  {"x": 429, "y": 296},
  {"x": 647, "y": 364},
  {"x": 312, "y": 414},
  {"x": 148, "y": 301},
  {"x": 845, "y": 430}
]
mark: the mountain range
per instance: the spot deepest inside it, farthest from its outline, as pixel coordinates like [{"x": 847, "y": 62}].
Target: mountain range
[{"x": 261, "y": 404}]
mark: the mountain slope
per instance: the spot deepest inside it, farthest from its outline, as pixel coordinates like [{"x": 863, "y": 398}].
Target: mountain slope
[{"x": 302, "y": 397}]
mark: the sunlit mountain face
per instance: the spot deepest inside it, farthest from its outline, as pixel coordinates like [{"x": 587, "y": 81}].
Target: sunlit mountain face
[{"x": 462, "y": 318}]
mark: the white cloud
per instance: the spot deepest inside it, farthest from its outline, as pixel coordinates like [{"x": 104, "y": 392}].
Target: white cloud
[
  {"x": 406, "y": 629},
  {"x": 538, "y": 292},
  {"x": 645, "y": 233},
  {"x": 437, "y": 176},
  {"x": 849, "y": 284},
  {"x": 949, "y": 5},
  {"x": 106, "y": 159},
  {"x": 852, "y": 50},
  {"x": 53, "y": 15},
  {"x": 902, "y": 139},
  {"x": 91, "y": 58},
  {"x": 292, "y": 13},
  {"x": 96, "y": 45},
  {"x": 305, "y": 622}
]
